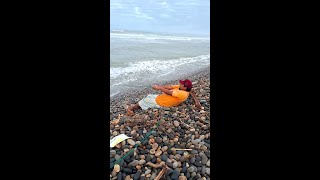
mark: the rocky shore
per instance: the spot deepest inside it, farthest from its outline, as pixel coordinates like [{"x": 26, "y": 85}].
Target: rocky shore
[{"x": 182, "y": 127}]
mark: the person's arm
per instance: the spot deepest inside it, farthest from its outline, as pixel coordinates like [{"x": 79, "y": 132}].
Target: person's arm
[
  {"x": 161, "y": 88},
  {"x": 166, "y": 86},
  {"x": 167, "y": 91},
  {"x": 196, "y": 101}
]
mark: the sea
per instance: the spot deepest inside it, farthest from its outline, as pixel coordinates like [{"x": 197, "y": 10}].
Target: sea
[{"x": 139, "y": 59}]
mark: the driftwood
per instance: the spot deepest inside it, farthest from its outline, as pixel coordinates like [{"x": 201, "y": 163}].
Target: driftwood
[
  {"x": 178, "y": 149},
  {"x": 161, "y": 173}
]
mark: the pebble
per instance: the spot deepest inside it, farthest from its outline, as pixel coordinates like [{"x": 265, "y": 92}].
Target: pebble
[
  {"x": 175, "y": 165},
  {"x": 182, "y": 178},
  {"x": 197, "y": 163},
  {"x": 175, "y": 174},
  {"x": 131, "y": 142},
  {"x": 141, "y": 162},
  {"x": 115, "y": 133},
  {"x": 147, "y": 172},
  {"x": 154, "y": 175},
  {"x": 176, "y": 123},
  {"x": 134, "y": 163},
  {"x": 127, "y": 177},
  {"x": 192, "y": 160},
  {"x": 113, "y": 153},
  {"x": 137, "y": 175},
  {"x": 127, "y": 170},
  {"x": 164, "y": 157},
  {"x": 191, "y": 169},
  {"x": 119, "y": 176},
  {"x": 208, "y": 171},
  {"x": 117, "y": 157},
  {"x": 208, "y": 163}
]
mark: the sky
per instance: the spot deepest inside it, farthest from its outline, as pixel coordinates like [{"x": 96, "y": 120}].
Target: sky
[{"x": 167, "y": 16}]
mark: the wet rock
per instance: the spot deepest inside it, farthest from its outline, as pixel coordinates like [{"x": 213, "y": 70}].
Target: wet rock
[
  {"x": 137, "y": 175},
  {"x": 134, "y": 163},
  {"x": 119, "y": 176},
  {"x": 169, "y": 164},
  {"x": 164, "y": 157},
  {"x": 184, "y": 169},
  {"x": 191, "y": 169},
  {"x": 127, "y": 170},
  {"x": 197, "y": 163},
  {"x": 175, "y": 174}
]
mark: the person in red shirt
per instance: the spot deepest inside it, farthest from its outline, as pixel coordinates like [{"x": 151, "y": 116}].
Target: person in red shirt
[{"x": 172, "y": 95}]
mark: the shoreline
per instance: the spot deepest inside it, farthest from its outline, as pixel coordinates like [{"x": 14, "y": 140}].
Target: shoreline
[{"x": 138, "y": 91}]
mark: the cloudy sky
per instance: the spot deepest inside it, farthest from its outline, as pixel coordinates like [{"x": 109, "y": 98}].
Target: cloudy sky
[{"x": 172, "y": 16}]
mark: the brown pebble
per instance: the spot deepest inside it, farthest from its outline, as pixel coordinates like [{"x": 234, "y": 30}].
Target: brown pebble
[
  {"x": 142, "y": 157},
  {"x": 164, "y": 148},
  {"x": 155, "y": 145},
  {"x": 182, "y": 178}
]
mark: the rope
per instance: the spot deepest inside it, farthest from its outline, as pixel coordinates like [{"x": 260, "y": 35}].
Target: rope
[{"x": 135, "y": 146}]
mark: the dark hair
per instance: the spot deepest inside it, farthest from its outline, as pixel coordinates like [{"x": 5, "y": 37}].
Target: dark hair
[{"x": 188, "y": 89}]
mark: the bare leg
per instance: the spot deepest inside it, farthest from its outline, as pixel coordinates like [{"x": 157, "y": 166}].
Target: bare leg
[{"x": 132, "y": 108}]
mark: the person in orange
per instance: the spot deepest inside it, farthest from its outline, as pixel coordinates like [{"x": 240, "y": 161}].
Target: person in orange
[{"x": 172, "y": 95}]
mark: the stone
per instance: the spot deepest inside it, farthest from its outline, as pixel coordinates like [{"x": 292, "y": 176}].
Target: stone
[
  {"x": 131, "y": 142},
  {"x": 164, "y": 157},
  {"x": 175, "y": 174},
  {"x": 119, "y": 176},
  {"x": 147, "y": 172},
  {"x": 113, "y": 153},
  {"x": 137, "y": 175},
  {"x": 175, "y": 165},
  {"x": 191, "y": 169},
  {"x": 141, "y": 162},
  {"x": 176, "y": 123},
  {"x": 182, "y": 178},
  {"x": 134, "y": 163},
  {"x": 208, "y": 163},
  {"x": 208, "y": 171},
  {"x": 127, "y": 170},
  {"x": 117, "y": 157},
  {"x": 184, "y": 169}
]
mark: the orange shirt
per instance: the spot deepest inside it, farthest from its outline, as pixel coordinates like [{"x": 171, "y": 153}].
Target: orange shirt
[{"x": 178, "y": 96}]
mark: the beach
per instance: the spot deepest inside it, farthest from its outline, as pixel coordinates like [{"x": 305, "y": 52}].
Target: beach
[{"x": 182, "y": 127}]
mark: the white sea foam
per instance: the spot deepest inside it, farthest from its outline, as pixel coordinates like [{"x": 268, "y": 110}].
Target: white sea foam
[
  {"x": 155, "y": 37},
  {"x": 157, "y": 67}
]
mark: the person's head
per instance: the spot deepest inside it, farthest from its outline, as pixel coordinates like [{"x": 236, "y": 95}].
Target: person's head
[{"x": 186, "y": 85}]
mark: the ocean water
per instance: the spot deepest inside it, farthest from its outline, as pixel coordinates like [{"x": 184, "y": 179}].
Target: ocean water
[{"x": 140, "y": 59}]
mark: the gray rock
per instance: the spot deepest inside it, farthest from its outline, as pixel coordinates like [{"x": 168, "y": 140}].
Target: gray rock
[
  {"x": 137, "y": 175},
  {"x": 208, "y": 171},
  {"x": 147, "y": 172},
  {"x": 127, "y": 170},
  {"x": 119, "y": 176},
  {"x": 131, "y": 142}
]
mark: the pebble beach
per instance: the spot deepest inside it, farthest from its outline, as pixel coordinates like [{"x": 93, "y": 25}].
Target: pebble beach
[{"x": 179, "y": 148}]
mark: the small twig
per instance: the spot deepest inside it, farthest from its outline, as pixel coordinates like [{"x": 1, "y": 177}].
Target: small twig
[
  {"x": 161, "y": 173},
  {"x": 178, "y": 149}
]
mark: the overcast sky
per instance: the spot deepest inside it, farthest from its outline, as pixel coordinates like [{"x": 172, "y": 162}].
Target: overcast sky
[{"x": 172, "y": 16}]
